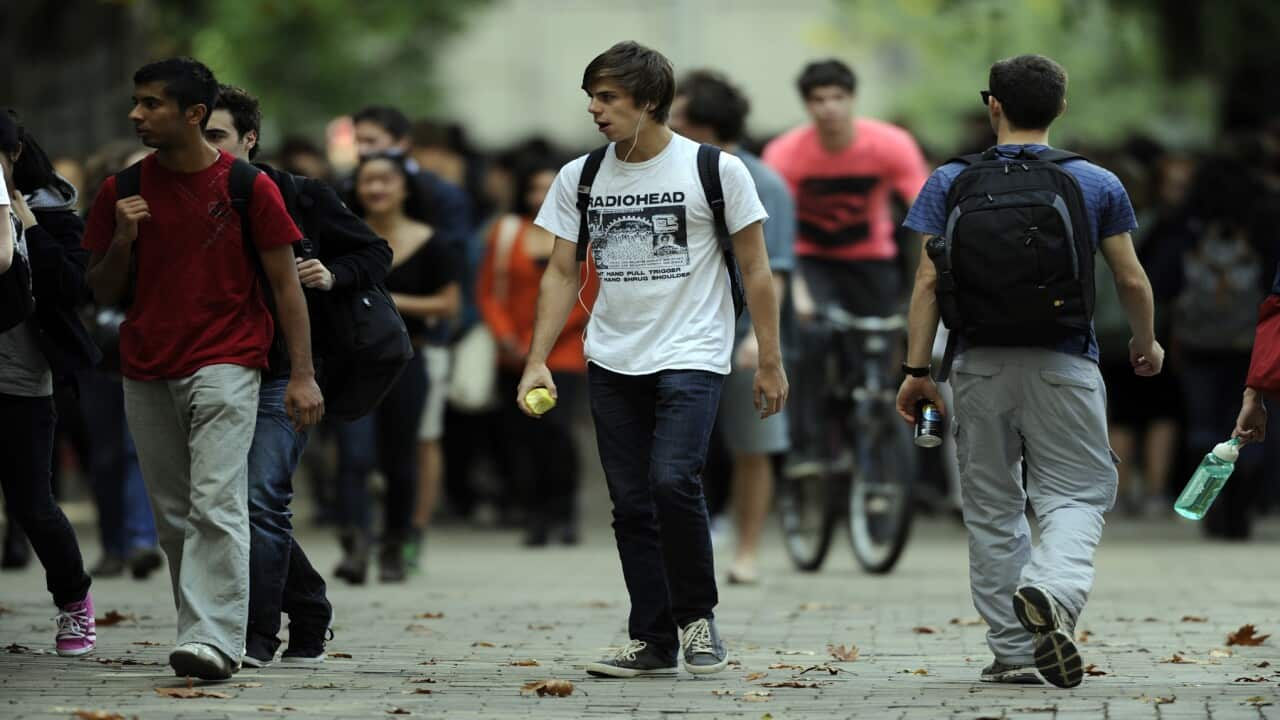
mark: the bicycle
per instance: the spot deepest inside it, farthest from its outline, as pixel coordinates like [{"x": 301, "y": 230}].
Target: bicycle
[{"x": 866, "y": 464}]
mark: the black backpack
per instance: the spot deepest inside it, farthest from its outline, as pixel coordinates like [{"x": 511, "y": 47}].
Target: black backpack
[
  {"x": 1015, "y": 264},
  {"x": 359, "y": 334},
  {"x": 709, "y": 174}
]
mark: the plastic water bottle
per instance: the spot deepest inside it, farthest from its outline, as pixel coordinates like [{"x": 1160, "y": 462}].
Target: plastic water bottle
[{"x": 1208, "y": 480}]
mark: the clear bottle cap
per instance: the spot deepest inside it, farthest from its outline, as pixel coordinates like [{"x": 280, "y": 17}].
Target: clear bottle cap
[{"x": 1227, "y": 452}]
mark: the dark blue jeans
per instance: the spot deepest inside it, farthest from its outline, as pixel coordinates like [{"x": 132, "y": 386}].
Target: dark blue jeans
[
  {"x": 387, "y": 439},
  {"x": 124, "y": 513},
  {"x": 653, "y": 432},
  {"x": 281, "y": 578}
]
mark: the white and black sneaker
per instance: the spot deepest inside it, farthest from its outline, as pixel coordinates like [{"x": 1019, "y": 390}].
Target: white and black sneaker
[
  {"x": 1057, "y": 658},
  {"x": 998, "y": 672},
  {"x": 702, "y": 649},
  {"x": 634, "y": 659}
]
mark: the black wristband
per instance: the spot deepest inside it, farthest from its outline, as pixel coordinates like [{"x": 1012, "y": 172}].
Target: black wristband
[{"x": 918, "y": 372}]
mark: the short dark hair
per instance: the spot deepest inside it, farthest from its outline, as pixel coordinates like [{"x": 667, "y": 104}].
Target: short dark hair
[
  {"x": 525, "y": 171},
  {"x": 386, "y": 117},
  {"x": 294, "y": 145},
  {"x": 33, "y": 170},
  {"x": 415, "y": 202},
  {"x": 185, "y": 79},
  {"x": 643, "y": 72},
  {"x": 712, "y": 101},
  {"x": 823, "y": 73},
  {"x": 1030, "y": 88},
  {"x": 246, "y": 114}
]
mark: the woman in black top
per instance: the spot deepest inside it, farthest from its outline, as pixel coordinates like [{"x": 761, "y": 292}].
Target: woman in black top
[{"x": 424, "y": 284}]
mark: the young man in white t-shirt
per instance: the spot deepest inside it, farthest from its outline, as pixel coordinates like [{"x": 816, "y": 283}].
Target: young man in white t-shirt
[{"x": 658, "y": 347}]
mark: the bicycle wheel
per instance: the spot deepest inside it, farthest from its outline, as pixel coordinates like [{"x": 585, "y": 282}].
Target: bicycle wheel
[
  {"x": 810, "y": 497},
  {"x": 880, "y": 496}
]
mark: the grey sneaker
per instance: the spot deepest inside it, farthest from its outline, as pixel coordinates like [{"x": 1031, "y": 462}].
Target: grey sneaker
[
  {"x": 998, "y": 672},
  {"x": 703, "y": 651},
  {"x": 632, "y": 660},
  {"x": 201, "y": 661},
  {"x": 1057, "y": 658}
]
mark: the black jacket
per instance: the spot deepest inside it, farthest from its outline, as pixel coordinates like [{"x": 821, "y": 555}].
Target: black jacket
[
  {"x": 58, "y": 282},
  {"x": 334, "y": 235}
]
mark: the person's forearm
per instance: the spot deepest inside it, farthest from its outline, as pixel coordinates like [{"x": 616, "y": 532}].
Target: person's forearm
[
  {"x": 922, "y": 320},
  {"x": 291, "y": 311},
  {"x": 109, "y": 278},
  {"x": 6, "y": 239},
  {"x": 1139, "y": 307},
  {"x": 762, "y": 299},
  {"x": 556, "y": 295}
]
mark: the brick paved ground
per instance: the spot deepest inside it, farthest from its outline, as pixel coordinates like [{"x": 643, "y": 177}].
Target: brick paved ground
[{"x": 503, "y": 605}]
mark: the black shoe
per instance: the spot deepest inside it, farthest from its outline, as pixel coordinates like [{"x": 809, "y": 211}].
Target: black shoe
[
  {"x": 108, "y": 566},
  {"x": 143, "y": 562},
  {"x": 307, "y": 642},
  {"x": 259, "y": 651},
  {"x": 633, "y": 660},
  {"x": 391, "y": 565},
  {"x": 569, "y": 534},
  {"x": 702, "y": 648},
  {"x": 17, "y": 551},
  {"x": 1057, "y": 657},
  {"x": 998, "y": 672},
  {"x": 537, "y": 535},
  {"x": 354, "y": 565}
]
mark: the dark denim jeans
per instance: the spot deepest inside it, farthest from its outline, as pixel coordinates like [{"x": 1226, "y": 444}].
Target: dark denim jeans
[
  {"x": 387, "y": 439},
  {"x": 281, "y": 579},
  {"x": 653, "y": 432},
  {"x": 124, "y": 512},
  {"x": 26, "y": 449}
]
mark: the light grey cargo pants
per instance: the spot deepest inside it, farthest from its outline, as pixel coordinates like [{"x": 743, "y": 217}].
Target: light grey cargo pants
[
  {"x": 1049, "y": 408},
  {"x": 193, "y": 436}
]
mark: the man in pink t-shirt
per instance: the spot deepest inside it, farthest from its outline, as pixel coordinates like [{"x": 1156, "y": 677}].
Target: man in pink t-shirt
[{"x": 842, "y": 171}]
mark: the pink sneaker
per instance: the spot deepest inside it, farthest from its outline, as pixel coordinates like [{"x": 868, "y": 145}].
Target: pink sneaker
[{"x": 77, "y": 630}]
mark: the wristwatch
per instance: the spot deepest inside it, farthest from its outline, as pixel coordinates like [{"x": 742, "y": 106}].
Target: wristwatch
[{"x": 918, "y": 372}]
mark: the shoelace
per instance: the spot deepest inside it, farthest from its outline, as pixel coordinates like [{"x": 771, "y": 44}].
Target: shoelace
[
  {"x": 697, "y": 638},
  {"x": 628, "y": 651},
  {"x": 73, "y": 624}
]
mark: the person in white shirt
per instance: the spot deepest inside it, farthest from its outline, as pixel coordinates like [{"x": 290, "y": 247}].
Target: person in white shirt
[
  {"x": 658, "y": 346},
  {"x": 6, "y": 228}
]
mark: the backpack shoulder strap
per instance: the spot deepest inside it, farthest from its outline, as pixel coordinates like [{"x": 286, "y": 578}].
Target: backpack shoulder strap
[
  {"x": 585, "y": 181},
  {"x": 240, "y": 184},
  {"x": 709, "y": 174},
  {"x": 965, "y": 159},
  {"x": 129, "y": 181},
  {"x": 1054, "y": 155}
]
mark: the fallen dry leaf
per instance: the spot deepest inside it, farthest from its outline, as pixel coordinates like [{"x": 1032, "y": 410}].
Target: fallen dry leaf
[
  {"x": 555, "y": 688},
  {"x": 1258, "y": 701},
  {"x": 246, "y": 685},
  {"x": 785, "y": 666},
  {"x": 148, "y": 643},
  {"x": 721, "y": 693},
  {"x": 418, "y": 627},
  {"x": 1177, "y": 659},
  {"x": 799, "y": 684},
  {"x": 1093, "y": 671},
  {"x": 398, "y": 711},
  {"x": 923, "y": 630},
  {"x": 755, "y": 676},
  {"x": 483, "y": 644},
  {"x": 1084, "y": 636},
  {"x": 429, "y": 616},
  {"x": 830, "y": 670},
  {"x": 1194, "y": 619},
  {"x": 340, "y": 655},
  {"x": 98, "y": 715},
  {"x": 1246, "y": 635},
  {"x": 597, "y": 604},
  {"x": 542, "y": 627},
  {"x": 812, "y": 606},
  {"x": 1220, "y": 653},
  {"x": 794, "y": 652},
  {"x": 1250, "y": 679},
  {"x": 16, "y": 649},
  {"x": 970, "y": 622},
  {"x": 921, "y": 671},
  {"x": 757, "y": 696},
  {"x": 315, "y": 686},
  {"x": 524, "y": 663},
  {"x": 187, "y": 693},
  {"x": 113, "y": 617},
  {"x": 1150, "y": 619},
  {"x": 422, "y": 691},
  {"x": 427, "y": 662},
  {"x": 4, "y": 610},
  {"x": 842, "y": 653},
  {"x": 123, "y": 661},
  {"x": 1159, "y": 700}
]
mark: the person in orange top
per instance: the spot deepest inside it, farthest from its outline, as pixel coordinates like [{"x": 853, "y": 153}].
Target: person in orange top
[{"x": 541, "y": 453}]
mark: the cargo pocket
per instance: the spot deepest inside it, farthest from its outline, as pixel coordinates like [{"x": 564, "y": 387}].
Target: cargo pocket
[{"x": 1070, "y": 379}]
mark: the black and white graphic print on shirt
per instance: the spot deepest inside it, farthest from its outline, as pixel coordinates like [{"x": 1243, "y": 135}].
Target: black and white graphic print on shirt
[{"x": 640, "y": 243}]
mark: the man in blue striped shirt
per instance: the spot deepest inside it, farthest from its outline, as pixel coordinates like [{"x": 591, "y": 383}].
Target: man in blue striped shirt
[{"x": 1044, "y": 406}]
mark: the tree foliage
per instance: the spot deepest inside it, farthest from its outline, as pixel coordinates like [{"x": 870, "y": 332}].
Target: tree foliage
[{"x": 309, "y": 60}]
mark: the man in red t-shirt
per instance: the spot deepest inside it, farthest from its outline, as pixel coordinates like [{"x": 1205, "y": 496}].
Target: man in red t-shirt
[
  {"x": 193, "y": 347},
  {"x": 843, "y": 172}
]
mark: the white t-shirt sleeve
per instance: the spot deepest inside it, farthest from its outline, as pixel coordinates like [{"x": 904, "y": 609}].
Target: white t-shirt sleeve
[
  {"x": 742, "y": 204},
  {"x": 559, "y": 213},
  {"x": 4, "y": 191}
]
